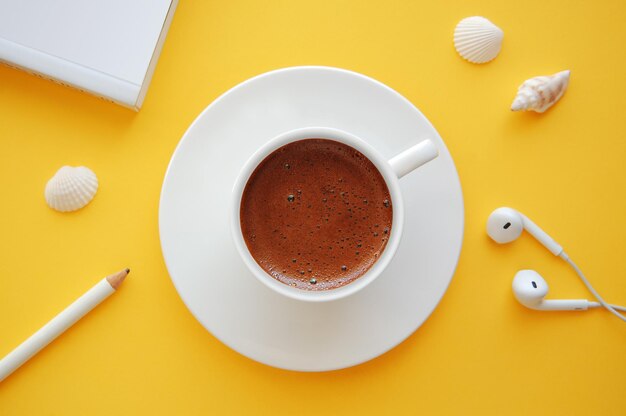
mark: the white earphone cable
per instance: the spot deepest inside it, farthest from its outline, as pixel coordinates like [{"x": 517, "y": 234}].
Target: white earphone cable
[
  {"x": 599, "y": 305},
  {"x": 608, "y": 307}
]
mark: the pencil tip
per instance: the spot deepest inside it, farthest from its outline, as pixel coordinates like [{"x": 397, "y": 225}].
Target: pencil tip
[
  {"x": 115, "y": 280},
  {"x": 127, "y": 270}
]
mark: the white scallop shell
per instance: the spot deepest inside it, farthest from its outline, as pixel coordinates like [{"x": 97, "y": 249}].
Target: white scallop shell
[
  {"x": 540, "y": 93},
  {"x": 477, "y": 39},
  {"x": 71, "y": 188}
]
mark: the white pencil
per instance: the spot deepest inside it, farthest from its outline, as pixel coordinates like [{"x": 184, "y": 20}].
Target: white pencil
[{"x": 105, "y": 288}]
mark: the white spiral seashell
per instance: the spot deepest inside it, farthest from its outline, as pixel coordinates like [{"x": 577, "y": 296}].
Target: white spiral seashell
[
  {"x": 477, "y": 39},
  {"x": 540, "y": 93},
  {"x": 71, "y": 188}
]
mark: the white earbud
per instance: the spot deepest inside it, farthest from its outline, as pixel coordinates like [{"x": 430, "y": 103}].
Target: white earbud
[
  {"x": 506, "y": 224},
  {"x": 530, "y": 289}
]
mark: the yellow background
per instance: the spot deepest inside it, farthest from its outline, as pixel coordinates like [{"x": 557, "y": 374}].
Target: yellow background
[{"x": 142, "y": 352}]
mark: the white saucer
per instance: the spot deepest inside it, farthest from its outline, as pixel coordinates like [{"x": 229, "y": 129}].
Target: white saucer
[{"x": 212, "y": 279}]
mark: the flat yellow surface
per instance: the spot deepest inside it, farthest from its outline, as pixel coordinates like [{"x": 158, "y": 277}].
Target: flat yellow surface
[{"x": 141, "y": 352}]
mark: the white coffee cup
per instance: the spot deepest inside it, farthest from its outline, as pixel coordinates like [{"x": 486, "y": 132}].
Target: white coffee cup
[{"x": 391, "y": 170}]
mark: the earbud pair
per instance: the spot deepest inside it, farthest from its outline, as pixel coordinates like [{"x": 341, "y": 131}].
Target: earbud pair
[{"x": 529, "y": 288}]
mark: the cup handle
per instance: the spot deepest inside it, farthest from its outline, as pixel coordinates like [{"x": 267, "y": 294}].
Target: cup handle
[{"x": 414, "y": 157}]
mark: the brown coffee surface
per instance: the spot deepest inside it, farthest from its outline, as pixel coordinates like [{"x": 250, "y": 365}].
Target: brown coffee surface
[{"x": 316, "y": 214}]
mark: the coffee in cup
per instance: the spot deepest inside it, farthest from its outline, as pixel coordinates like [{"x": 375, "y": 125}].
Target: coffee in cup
[{"x": 316, "y": 214}]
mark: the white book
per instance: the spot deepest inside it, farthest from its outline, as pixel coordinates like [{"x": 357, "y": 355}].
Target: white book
[{"x": 108, "y": 48}]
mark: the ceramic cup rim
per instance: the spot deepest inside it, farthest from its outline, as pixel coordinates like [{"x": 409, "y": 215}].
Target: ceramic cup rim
[{"x": 395, "y": 233}]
